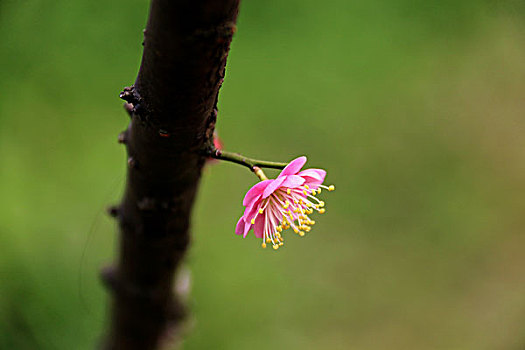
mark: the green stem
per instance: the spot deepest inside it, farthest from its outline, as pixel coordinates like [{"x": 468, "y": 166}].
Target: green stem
[{"x": 247, "y": 162}]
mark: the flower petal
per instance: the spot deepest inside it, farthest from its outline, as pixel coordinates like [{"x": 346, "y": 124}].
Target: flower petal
[
  {"x": 293, "y": 181},
  {"x": 256, "y": 190},
  {"x": 239, "y": 229},
  {"x": 273, "y": 186},
  {"x": 258, "y": 228},
  {"x": 293, "y": 167},
  {"x": 247, "y": 228},
  {"x": 318, "y": 174},
  {"x": 313, "y": 177},
  {"x": 251, "y": 209}
]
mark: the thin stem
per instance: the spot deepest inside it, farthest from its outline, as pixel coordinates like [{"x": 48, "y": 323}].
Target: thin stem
[
  {"x": 247, "y": 162},
  {"x": 259, "y": 173}
]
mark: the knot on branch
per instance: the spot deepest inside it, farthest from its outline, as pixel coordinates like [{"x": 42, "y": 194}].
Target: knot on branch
[
  {"x": 128, "y": 107},
  {"x": 132, "y": 163},
  {"x": 123, "y": 137},
  {"x": 108, "y": 275},
  {"x": 113, "y": 211},
  {"x": 130, "y": 95},
  {"x": 133, "y": 100},
  {"x": 209, "y": 150}
]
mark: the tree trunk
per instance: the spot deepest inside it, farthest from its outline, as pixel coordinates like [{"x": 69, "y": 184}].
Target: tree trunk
[{"x": 173, "y": 109}]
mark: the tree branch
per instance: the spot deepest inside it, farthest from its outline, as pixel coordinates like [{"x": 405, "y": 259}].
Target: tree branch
[
  {"x": 247, "y": 162},
  {"x": 173, "y": 110}
]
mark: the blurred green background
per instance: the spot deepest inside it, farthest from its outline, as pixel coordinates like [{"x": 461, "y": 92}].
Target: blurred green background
[{"x": 415, "y": 108}]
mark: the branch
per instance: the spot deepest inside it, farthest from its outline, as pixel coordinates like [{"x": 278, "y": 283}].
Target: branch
[
  {"x": 247, "y": 162},
  {"x": 173, "y": 110}
]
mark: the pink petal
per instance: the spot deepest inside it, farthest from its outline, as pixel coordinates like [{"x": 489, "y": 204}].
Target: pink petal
[
  {"x": 247, "y": 227},
  {"x": 250, "y": 210},
  {"x": 258, "y": 228},
  {"x": 239, "y": 229},
  {"x": 256, "y": 190},
  {"x": 314, "y": 184},
  {"x": 313, "y": 177},
  {"x": 294, "y": 166},
  {"x": 273, "y": 186},
  {"x": 317, "y": 174},
  {"x": 293, "y": 181}
]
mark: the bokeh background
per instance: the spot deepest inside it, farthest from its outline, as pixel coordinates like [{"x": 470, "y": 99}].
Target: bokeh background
[{"x": 415, "y": 108}]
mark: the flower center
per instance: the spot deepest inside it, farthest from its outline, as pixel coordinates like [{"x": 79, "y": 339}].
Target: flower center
[{"x": 289, "y": 208}]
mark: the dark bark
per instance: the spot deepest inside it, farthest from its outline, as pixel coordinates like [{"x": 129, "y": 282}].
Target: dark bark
[{"x": 173, "y": 109}]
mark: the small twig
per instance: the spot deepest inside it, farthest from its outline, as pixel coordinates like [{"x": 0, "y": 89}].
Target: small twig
[
  {"x": 251, "y": 163},
  {"x": 254, "y": 165}
]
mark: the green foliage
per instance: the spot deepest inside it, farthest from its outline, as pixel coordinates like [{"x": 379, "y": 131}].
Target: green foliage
[{"x": 414, "y": 108}]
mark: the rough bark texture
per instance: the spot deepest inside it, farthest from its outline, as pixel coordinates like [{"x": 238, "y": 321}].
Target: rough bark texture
[{"x": 173, "y": 109}]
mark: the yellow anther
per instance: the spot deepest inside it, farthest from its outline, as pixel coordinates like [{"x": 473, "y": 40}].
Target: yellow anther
[
  {"x": 331, "y": 188},
  {"x": 281, "y": 243},
  {"x": 321, "y": 211},
  {"x": 295, "y": 230},
  {"x": 307, "y": 187},
  {"x": 319, "y": 190},
  {"x": 275, "y": 246},
  {"x": 314, "y": 193},
  {"x": 253, "y": 221},
  {"x": 307, "y": 229},
  {"x": 312, "y": 222},
  {"x": 268, "y": 240},
  {"x": 279, "y": 228},
  {"x": 305, "y": 193},
  {"x": 263, "y": 245},
  {"x": 308, "y": 204},
  {"x": 288, "y": 191},
  {"x": 286, "y": 205},
  {"x": 321, "y": 204},
  {"x": 261, "y": 211},
  {"x": 301, "y": 233}
]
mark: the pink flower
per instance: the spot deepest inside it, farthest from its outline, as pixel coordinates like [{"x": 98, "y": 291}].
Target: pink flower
[{"x": 273, "y": 206}]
